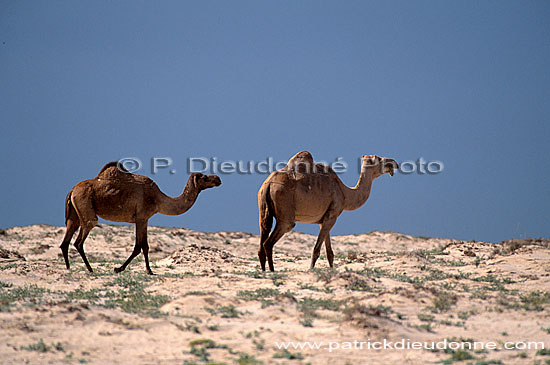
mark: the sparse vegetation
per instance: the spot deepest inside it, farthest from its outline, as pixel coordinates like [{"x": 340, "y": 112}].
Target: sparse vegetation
[
  {"x": 429, "y": 254},
  {"x": 437, "y": 290},
  {"x": 246, "y": 359},
  {"x": 260, "y": 345},
  {"x": 457, "y": 356},
  {"x": 285, "y": 354},
  {"x": 8, "y": 266},
  {"x": 200, "y": 348},
  {"x": 277, "y": 278},
  {"x": 426, "y": 317},
  {"x": 40, "y": 346},
  {"x": 309, "y": 287},
  {"x": 5, "y": 285},
  {"x": 309, "y": 305},
  {"x": 326, "y": 275},
  {"x": 189, "y": 326},
  {"x": 424, "y": 327},
  {"x": 443, "y": 301},
  {"x": 465, "y": 314},
  {"x": 365, "y": 315},
  {"x": 226, "y": 311},
  {"x": 261, "y": 294},
  {"x": 196, "y": 292},
  {"x": 28, "y": 294},
  {"x": 535, "y": 300},
  {"x": 132, "y": 296},
  {"x": 356, "y": 283}
]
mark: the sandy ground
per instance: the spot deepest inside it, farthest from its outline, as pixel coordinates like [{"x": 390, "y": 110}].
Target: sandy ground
[{"x": 209, "y": 302}]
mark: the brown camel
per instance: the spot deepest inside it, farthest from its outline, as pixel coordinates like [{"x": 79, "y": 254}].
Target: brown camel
[
  {"x": 306, "y": 192},
  {"x": 120, "y": 196}
]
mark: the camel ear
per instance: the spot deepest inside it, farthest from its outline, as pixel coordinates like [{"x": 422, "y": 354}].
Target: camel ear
[
  {"x": 196, "y": 179},
  {"x": 371, "y": 160}
]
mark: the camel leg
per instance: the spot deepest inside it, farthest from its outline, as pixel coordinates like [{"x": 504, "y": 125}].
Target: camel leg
[
  {"x": 84, "y": 209},
  {"x": 79, "y": 243},
  {"x": 262, "y": 255},
  {"x": 330, "y": 254},
  {"x": 141, "y": 232},
  {"x": 265, "y": 229},
  {"x": 72, "y": 226},
  {"x": 326, "y": 226},
  {"x": 280, "y": 229},
  {"x": 72, "y": 223}
]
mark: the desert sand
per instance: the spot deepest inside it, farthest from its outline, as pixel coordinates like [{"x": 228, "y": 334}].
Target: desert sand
[{"x": 209, "y": 302}]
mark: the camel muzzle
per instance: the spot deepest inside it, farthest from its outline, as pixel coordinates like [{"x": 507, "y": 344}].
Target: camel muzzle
[
  {"x": 216, "y": 181},
  {"x": 391, "y": 165}
]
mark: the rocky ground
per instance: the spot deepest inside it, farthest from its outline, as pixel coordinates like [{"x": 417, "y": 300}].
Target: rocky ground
[{"x": 209, "y": 302}]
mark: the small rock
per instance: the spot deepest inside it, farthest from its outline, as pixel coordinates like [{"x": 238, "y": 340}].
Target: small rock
[{"x": 469, "y": 252}]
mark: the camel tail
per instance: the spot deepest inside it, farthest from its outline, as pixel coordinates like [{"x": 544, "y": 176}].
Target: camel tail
[
  {"x": 265, "y": 209},
  {"x": 68, "y": 206}
]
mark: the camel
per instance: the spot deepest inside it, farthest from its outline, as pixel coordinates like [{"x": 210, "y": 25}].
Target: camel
[
  {"x": 120, "y": 196},
  {"x": 306, "y": 192}
]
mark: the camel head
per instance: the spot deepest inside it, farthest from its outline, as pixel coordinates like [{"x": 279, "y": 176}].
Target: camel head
[
  {"x": 381, "y": 165},
  {"x": 203, "y": 182}
]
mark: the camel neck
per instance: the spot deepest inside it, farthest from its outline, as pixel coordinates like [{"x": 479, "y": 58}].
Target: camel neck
[
  {"x": 357, "y": 196},
  {"x": 181, "y": 204}
]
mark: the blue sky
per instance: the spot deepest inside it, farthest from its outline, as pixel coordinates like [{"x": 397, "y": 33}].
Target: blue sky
[{"x": 465, "y": 82}]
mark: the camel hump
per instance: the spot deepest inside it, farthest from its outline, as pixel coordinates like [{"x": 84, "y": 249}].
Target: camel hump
[
  {"x": 301, "y": 162},
  {"x": 117, "y": 165},
  {"x": 321, "y": 168}
]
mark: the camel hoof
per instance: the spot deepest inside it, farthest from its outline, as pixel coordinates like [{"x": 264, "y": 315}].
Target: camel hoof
[
  {"x": 118, "y": 269},
  {"x": 149, "y": 272}
]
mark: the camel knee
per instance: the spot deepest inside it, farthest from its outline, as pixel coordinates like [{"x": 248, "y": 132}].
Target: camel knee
[
  {"x": 315, "y": 255},
  {"x": 261, "y": 252},
  {"x": 287, "y": 227},
  {"x": 262, "y": 256},
  {"x": 317, "y": 250},
  {"x": 87, "y": 226},
  {"x": 265, "y": 226},
  {"x": 136, "y": 251}
]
